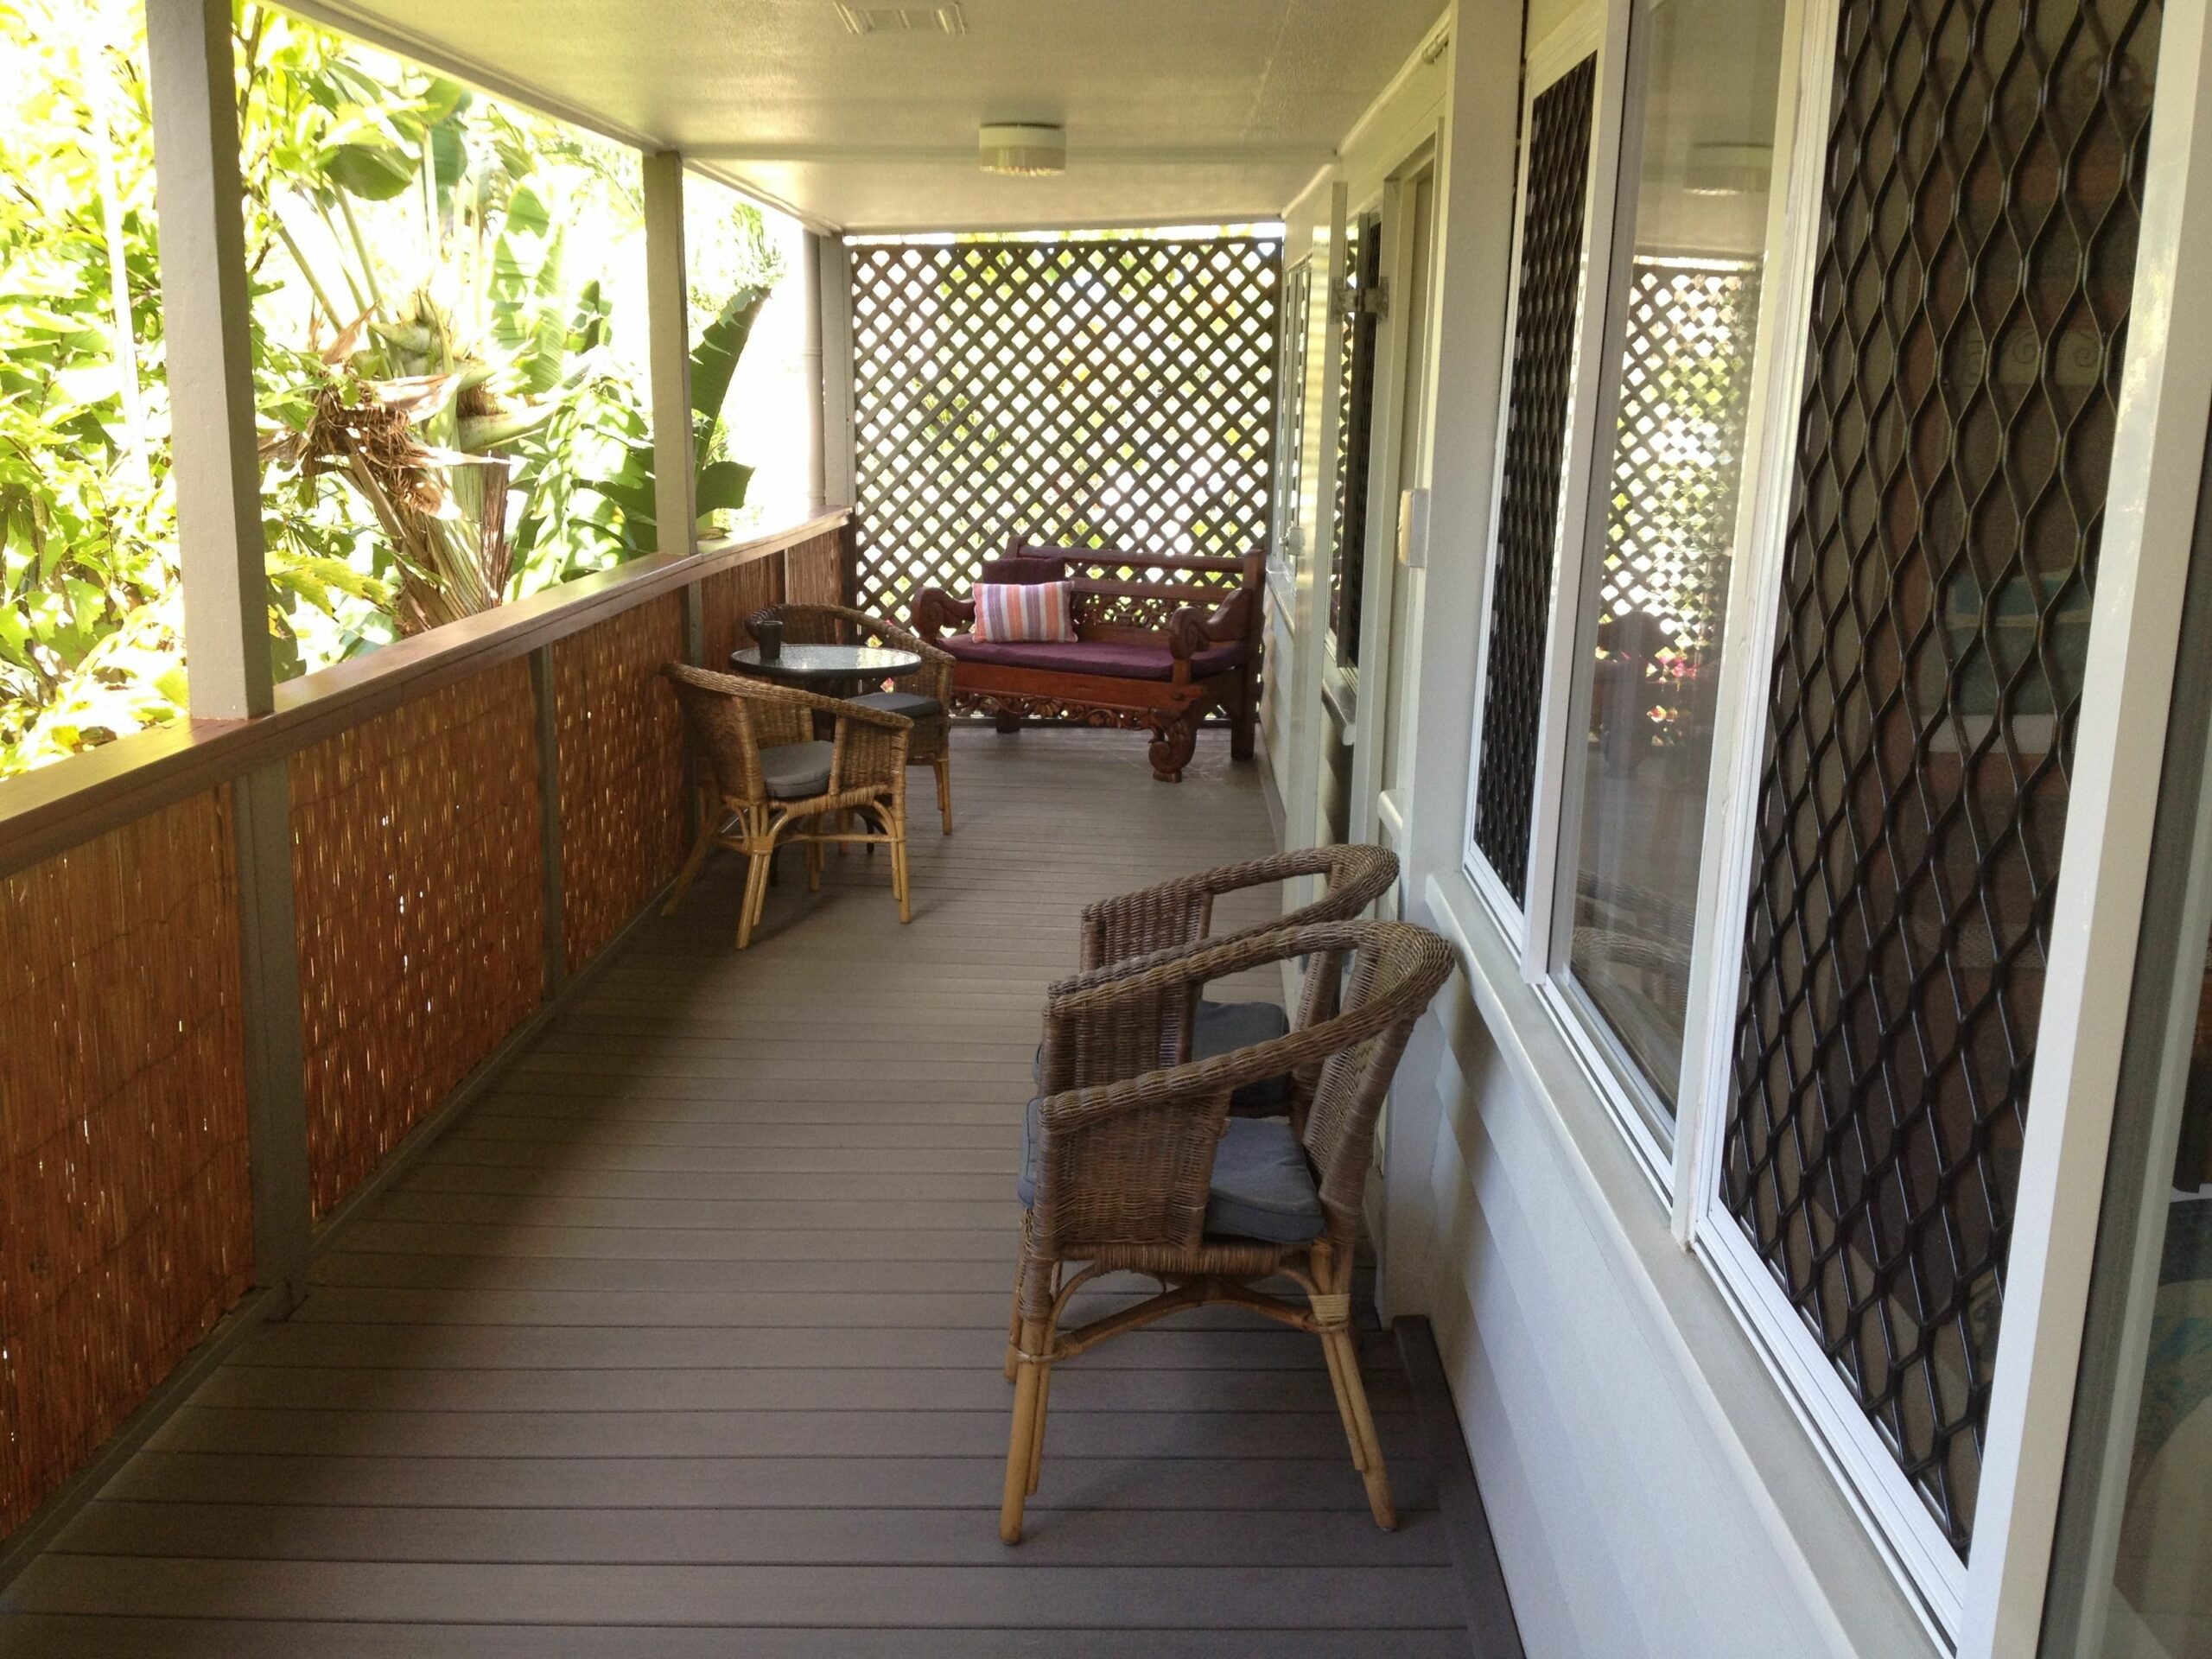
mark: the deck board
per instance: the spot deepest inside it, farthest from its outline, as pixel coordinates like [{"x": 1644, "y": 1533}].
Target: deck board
[{"x": 686, "y": 1338}]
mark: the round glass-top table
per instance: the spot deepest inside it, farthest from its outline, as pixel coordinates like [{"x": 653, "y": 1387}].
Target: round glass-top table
[{"x": 813, "y": 667}]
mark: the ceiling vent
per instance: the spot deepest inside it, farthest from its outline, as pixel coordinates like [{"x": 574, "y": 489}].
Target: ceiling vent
[
  {"x": 903, "y": 20},
  {"x": 1023, "y": 150}
]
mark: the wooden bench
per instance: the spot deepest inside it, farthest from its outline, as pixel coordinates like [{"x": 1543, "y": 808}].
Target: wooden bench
[{"x": 1158, "y": 654}]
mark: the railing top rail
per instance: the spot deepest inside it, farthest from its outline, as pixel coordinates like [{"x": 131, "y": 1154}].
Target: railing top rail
[{"x": 57, "y": 807}]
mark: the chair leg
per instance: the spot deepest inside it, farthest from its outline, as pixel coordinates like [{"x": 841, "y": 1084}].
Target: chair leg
[
  {"x": 693, "y": 863},
  {"x": 756, "y": 891},
  {"x": 1021, "y": 1442},
  {"x": 943, "y": 767},
  {"x": 1044, "y": 1405},
  {"x": 899, "y": 880},
  {"x": 1367, "y": 1449},
  {"x": 814, "y": 860},
  {"x": 1013, "y": 1316}
]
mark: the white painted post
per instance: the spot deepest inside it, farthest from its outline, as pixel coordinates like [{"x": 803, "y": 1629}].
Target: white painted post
[
  {"x": 834, "y": 292},
  {"x": 207, "y": 324},
  {"x": 668, "y": 322},
  {"x": 811, "y": 299},
  {"x": 206, "y": 330}
]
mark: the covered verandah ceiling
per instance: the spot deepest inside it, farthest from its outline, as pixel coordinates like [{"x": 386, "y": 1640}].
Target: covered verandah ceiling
[{"x": 1176, "y": 111}]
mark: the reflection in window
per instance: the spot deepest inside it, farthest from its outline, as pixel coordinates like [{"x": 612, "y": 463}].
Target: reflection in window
[{"x": 1688, "y": 298}]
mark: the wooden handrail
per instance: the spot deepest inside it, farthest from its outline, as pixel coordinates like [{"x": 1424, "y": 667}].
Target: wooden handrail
[{"x": 57, "y": 807}]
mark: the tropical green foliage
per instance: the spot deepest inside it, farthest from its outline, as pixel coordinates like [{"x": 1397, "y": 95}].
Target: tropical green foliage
[{"x": 447, "y": 351}]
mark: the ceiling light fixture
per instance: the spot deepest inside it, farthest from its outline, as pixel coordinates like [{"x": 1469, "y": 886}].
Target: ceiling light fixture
[
  {"x": 903, "y": 20},
  {"x": 1022, "y": 148}
]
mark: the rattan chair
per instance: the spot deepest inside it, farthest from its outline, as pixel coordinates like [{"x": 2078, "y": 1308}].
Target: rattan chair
[
  {"x": 1129, "y": 1167},
  {"x": 925, "y": 699},
  {"x": 765, "y": 779},
  {"x": 1175, "y": 915}
]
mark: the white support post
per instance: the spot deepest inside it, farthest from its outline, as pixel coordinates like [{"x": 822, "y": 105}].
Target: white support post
[
  {"x": 668, "y": 322},
  {"x": 834, "y": 295},
  {"x": 810, "y": 305},
  {"x": 206, "y": 330},
  {"x": 207, "y": 327}
]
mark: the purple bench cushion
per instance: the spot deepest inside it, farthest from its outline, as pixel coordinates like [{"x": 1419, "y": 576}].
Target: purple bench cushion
[{"x": 1119, "y": 659}]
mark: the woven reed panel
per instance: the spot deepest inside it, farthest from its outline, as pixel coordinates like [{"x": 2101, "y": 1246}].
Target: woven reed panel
[
  {"x": 417, "y": 872},
  {"x": 622, "y": 815},
  {"x": 815, "y": 571},
  {"x": 1113, "y": 393},
  {"x": 728, "y": 597},
  {"x": 126, "y": 1218}
]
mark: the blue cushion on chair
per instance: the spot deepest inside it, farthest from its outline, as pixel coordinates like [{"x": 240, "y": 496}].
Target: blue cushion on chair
[
  {"x": 1262, "y": 1186},
  {"x": 1223, "y": 1028}
]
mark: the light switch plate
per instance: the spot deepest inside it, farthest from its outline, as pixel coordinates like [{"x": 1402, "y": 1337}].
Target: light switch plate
[{"x": 1413, "y": 529}]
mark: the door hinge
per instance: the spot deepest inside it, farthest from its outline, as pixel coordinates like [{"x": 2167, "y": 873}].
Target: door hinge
[{"x": 1375, "y": 301}]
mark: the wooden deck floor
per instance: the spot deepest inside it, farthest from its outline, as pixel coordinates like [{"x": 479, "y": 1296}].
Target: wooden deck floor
[{"x": 686, "y": 1340}]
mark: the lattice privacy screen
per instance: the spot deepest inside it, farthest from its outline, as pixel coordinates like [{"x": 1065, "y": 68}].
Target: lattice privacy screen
[
  {"x": 1083, "y": 393},
  {"x": 1984, "y": 171},
  {"x": 1548, "y": 303},
  {"x": 1685, "y": 389}
]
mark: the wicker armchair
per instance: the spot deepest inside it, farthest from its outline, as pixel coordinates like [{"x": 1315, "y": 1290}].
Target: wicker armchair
[
  {"x": 1176, "y": 915},
  {"x": 1127, "y": 1167},
  {"x": 926, "y": 699},
  {"x": 765, "y": 780}
]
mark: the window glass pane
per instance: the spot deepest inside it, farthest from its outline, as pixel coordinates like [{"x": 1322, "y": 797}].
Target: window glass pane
[
  {"x": 90, "y": 621},
  {"x": 1983, "y": 193},
  {"x": 2156, "y": 1535},
  {"x": 1687, "y": 289}
]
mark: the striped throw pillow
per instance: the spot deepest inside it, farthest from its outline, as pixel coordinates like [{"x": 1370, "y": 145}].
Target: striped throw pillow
[{"x": 1011, "y": 612}]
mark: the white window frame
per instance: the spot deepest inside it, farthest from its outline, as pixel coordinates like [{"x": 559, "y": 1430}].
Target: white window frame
[
  {"x": 1599, "y": 27},
  {"x": 1791, "y": 247},
  {"x": 1993, "y": 1604}
]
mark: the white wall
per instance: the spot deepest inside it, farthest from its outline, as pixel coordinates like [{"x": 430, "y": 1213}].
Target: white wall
[{"x": 1651, "y": 1491}]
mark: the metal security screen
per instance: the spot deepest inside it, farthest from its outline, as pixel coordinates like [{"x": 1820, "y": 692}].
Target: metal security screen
[
  {"x": 1079, "y": 392},
  {"x": 1984, "y": 189},
  {"x": 1355, "y": 431},
  {"x": 1548, "y": 303}
]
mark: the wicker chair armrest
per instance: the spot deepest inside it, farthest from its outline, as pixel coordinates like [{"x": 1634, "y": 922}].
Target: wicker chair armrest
[
  {"x": 866, "y": 751},
  {"x": 1174, "y": 915},
  {"x": 838, "y": 707},
  {"x": 934, "y": 611}
]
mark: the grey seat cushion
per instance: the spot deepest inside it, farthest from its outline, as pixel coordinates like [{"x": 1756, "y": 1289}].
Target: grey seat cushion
[
  {"x": 912, "y": 704},
  {"x": 1223, "y": 1028},
  {"x": 1261, "y": 1188},
  {"x": 794, "y": 770}
]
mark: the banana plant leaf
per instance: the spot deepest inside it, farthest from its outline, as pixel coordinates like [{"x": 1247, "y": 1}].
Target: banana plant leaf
[
  {"x": 722, "y": 486},
  {"x": 713, "y": 364}
]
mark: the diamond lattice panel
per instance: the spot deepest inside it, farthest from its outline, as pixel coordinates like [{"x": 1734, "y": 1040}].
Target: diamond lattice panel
[
  {"x": 1548, "y": 303},
  {"x": 1685, "y": 386},
  {"x": 1984, "y": 189},
  {"x": 1081, "y": 393}
]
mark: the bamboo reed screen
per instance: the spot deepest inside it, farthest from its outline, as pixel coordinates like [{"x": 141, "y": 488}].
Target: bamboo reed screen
[
  {"x": 418, "y": 872},
  {"x": 814, "y": 571},
  {"x": 622, "y": 740},
  {"x": 728, "y": 597},
  {"x": 126, "y": 1220}
]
